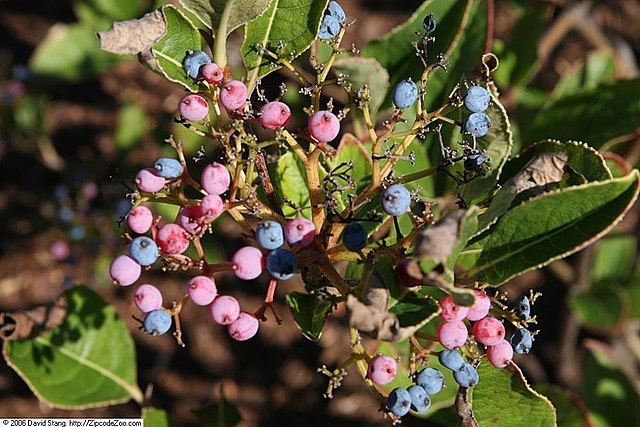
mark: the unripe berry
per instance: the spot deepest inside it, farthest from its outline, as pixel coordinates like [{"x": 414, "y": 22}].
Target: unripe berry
[
  {"x": 172, "y": 239},
  {"x": 299, "y": 232},
  {"x": 451, "y": 311},
  {"x": 139, "y": 219},
  {"x": 488, "y": 331},
  {"x": 149, "y": 181},
  {"x": 480, "y": 308},
  {"x": 143, "y": 250},
  {"x": 157, "y": 322},
  {"x": 212, "y": 206},
  {"x": 192, "y": 219},
  {"x": 124, "y": 270},
  {"x": 202, "y": 290},
  {"x": 274, "y": 115},
  {"x": 500, "y": 355},
  {"x": 212, "y": 73},
  {"x": 324, "y": 126},
  {"x": 215, "y": 178},
  {"x": 452, "y": 334},
  {"x": 382, "y": 369},
  {"x": 233, "y": 95},
  {"x": 247, "y": 263},
  {"x": 193, "y": 107},
  {"x": 244, "y": 327},
  {"x": 395, "y": 200},
  {"x": 147, "y": 298},
  {"x": 224, "y": 309}
]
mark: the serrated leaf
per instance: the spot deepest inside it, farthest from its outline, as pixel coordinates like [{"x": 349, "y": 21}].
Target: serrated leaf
[
  {"x": 309, "y": 312},
  {"x": 365, "y": 71},
  {"x": 290, "y": 182},
  {"x": 551, "y": 226},
  {"x": 170, "y": 50},
  {"x": 88, "y": 361},
  {"x": 229, "y": 14},
  {"x": 503, "y": 398},
  {"x": 294, "y": 22}
]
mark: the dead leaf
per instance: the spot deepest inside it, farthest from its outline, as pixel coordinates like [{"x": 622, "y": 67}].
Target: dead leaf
[
  {"x": 543, "y": 170},
  {"x": 134, "y": 36},
  {"x": 438, "y": 240},
  {"x": 31, "y": 323}
]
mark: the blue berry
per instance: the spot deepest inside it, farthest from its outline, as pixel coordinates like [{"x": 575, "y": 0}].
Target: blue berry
[
  {"x": 405, "y": 94},
  {"x": 270, "y": 235},
  {"x": 329, "y": 28},
  {"x": 395, "y": 200},
  {"x": 334, "y": 10},
  {"x": 399, "y": 401},
  {"x": 193, "y": 61},
  {"x": 467, "y": 376},
  {"x": 157, "y": 322},
  {"x": 354, "y": 237},
  {"x": 431, "y": 380},
  {"x": 522, "y": 341},
  {"x": 143, "y": 250},
  {"x": 477, "y": 124},
  {"x": 168, "y": 168},
  {"x": 477, "y": 99},
  {"x": 523, "y": 308},
  {"x": 77, "y": 233},
  {"x": 473, "y": 162},
  {"x": 451, "y": 359},
  {"x": 281, "y": 263},
  {"x": 429, "y": 23},
  {"x": 420, "y": 400}
]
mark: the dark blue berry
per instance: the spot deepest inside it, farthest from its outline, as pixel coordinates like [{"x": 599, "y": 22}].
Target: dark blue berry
[
  {"x": 270, "y": 235},
  {"x": 477, "y": 99},
  {"x": 405, "y": 94},
  {"x": 451, "y": 359},
  {"x": 477, "y": 124},
  {"x": 143, "y": 250},
  {"x": 329, "y": 28},
  {"x": 336, "y": 11},
  {"x": 523, "y": 308},
  {"x": 429, "y": 23},
  {"x": 354, "y": 236},
  {"x": 473, "y": 162},
  {"x": 193, "y": 61},
  {"x": 281, "y": 263},
  {"x": 467, "y": 376},
  {"x": 420, "y": 400},
  {"x": 395, "y": 200},
  {"x": 157, "y": 322},
  {"x": 168, "y": 168},
  {"x": 431, "y": 380},
  {"x": 399, "y": 401},
  {"x": 522, "y": 341}
]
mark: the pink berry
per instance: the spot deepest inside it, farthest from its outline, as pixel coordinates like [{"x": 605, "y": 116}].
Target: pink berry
[
  {"x": 247, "y": 263},
  {"x": 500, "y": 355},
  {"x": 212, "y": 73},
  {"x": 480, "y": 308},
  {"x": 202, "y": 290},
  {"x": 233, "y": 95},
  {"x": 450, "y": 311},
  {"x": 124, "y": 271},
  {"x": 452, "y": 334},
  {"x": 147, "y": 298},
  {"x": 149, "y": 181},
  {"x": 488, "y": 331},
  {"x": 244, "y": 327},
  {"x": 192, "y": 219},
  {"x": 172, "y": 239},
  {"x": 324, "y": 126},
  {"x": 140, "y": 219},
  {"x": 274, "y": 115},
  {"x": 299, "y": 232},
  {"x": 60, "y": 250},
  {"x": 193, "y": 107},
  {"x": 212, "y": 206},
  {"x": 382, "y": 369},
  {"x": 215, "y": 179},
  {"x": 224, "y": 309}
]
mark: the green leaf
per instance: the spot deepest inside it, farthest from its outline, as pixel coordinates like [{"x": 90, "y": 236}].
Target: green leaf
[
  {"x": 551, "y": 226},
  {"x": 171, "y": 49},
  {"x": 414, "y": 311},
  {"x": 614, "y": 259},
  {"x": 100, "y": 14},
  {"x": 598, "y": 68},
  {"x": 225, "y": 14},
  {"x": 157, "y": 418},
  {"x": 504, "y": 398},
  {"x": 567, "y": 406},
  {"x": 294, "y": 22},
  {"x": 354, "y": 151},
  {"x": 132, "y": 125},
  {"x": 290, "y": 182},
  {"x": 606, "y": 391},
  {"x": 309, "y": 312},
  {"x": 365, "y": 71},
  {"x": 600, "y": 308},
  {"x": 593, "y": 115},
  {"x": 88, "y": 361}
]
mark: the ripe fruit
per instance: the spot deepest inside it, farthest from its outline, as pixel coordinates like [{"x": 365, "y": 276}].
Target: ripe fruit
[
  {"x": 233, "y": 95},
  {"x": 212, "y": 206},
  {"x": 420, "y": 400},
  {"x": 329, "y": 28},
  {"x": 452, "y": 334},
  {"x": 202, "y": 290},
  {"x": 395, "y": 200},
  {"x": 405, "y": 94},
  {"x": 281, "y": 263},
  {"x": 224, "y": 309},
  {"x": 215, "y": 178},
  {"x": 212, "y": 73},
  {"x": 172, "y": 239},
  {"x": 335, "y": 10},
  {"x": 474, "y": 162},
  {"x": 382, "y": 369},
  {"x": 168, "y": 168},
  {"x": 399, "y": 401},
  {"x": 354, "y": 236},
  {"x": 139, "y": 219},
  {"x": 451, "y": 359},
  {"x": 247, "y": 263},
  {"x": 274, "y": 115},
  {"x": 143, "y": 250},
  {"x": 488, "y": 331},
  {"x": 124, "y": 270},
  {"x": 467, "y": 376},
  {"x": 157, "y": 322},
  {"x": 429, "y": 23},
  {"x": 324, "y": 126},
  {"x": 522, "y": 341},
  {"x": 193, "y": 61},
  {"x": 480, "y": 308},
  {"x": 149, "y": 181},
  {"x": 270, "y": 235},
  {"x": 299, "y": 232},
  {"x": 477, "y": 99},
  {"x": 147, "y": 298},
  {"x": 244, "y": 327},
  {"x": 477, "y": 124},
  {"x": 193, "y": 107},
  {"x": 450, "y": 311},
  {"x": 523, "y": 308},
  {"x": 431, "y": 380},
  {"x": 500, "y": 355}
]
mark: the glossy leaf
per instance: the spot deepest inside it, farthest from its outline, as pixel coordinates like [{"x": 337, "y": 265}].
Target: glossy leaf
[
  {"x": 290, "y": 181},
  {"x": 414, "y": 312},
  {"x": 310, "y": 313},
  {"x": 87, "y": 361},
  {"x": 229, "y": 14}
]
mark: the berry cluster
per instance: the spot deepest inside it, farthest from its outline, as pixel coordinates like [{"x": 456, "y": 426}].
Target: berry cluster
[
  {"x": 477, "y": 100},
  {"x": 416, "y": 397}
]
